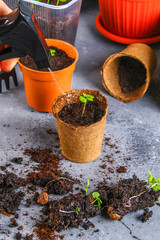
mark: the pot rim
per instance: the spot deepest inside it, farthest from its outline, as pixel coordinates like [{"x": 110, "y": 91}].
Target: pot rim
[
  {"x": 84, "y": 126},
  {"x": 64, "y": 69},
  {"x": 54, "y": 7}
]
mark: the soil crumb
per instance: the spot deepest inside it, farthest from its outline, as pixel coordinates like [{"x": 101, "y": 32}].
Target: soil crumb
[{"x": 146, "y": 215}]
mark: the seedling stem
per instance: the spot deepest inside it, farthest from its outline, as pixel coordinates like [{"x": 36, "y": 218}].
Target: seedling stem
[{"x": 84, "y": 99}]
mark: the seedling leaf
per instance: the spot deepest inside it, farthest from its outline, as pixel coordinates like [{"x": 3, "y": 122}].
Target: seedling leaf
[
  {"x": 77, "y": 210},
  {"x": 60, "y": 1},
  {"x": 96, "y": 196},
  {"x": 84, "y": 99},
  {"x": 88, "y": 97},
  {"x": 52, "y": 52},
  {"x": 86, "y": 187}
]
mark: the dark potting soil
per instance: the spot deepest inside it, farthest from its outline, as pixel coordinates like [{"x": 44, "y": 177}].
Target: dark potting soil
[
  {"x": 57, "y": 62},
  {"x": 69, "y": 211},
  {"x": 48, "y": 175},
  {"x": 146, "y": 215},
  {"x": 128, "y": 195},
  {"x": 131, "y": 73},
  {"x": 72, "y": 210},
  {"x": 72, "y": 113},
  {"x": 10, "y": 199}
]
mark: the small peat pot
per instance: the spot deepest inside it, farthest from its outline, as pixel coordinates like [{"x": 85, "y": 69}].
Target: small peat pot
[
  {"x": 126, "y": 75},
  {"x": 42, "y": 87},
  {"x": 80, "y": 131}
]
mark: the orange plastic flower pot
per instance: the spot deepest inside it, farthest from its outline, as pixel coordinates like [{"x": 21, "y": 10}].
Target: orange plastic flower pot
[
  {"x": 41, "y": 87},
  {"x": 131, "y": 18}
]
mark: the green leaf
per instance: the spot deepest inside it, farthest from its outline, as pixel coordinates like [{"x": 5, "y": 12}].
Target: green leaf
[
  {"x": 82, "y": 99},
  {"x": 86, "y": 186},
  {"x": 87, "y": 182},
  {"x": 52, "y": 52},
  {"x": 89, "y": 97},
  {"x": 77, "y": 210},
  {"x": 95, "y": 195},
  {"x": 63, "y": 0}
]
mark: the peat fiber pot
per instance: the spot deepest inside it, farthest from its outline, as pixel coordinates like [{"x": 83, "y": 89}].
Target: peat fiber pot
[
  {"x": 80, "y": 144},
  {"x": 131, "y": 18},
  {"x": 126, "y": 75},
  {"x": 41, "y": 87}
]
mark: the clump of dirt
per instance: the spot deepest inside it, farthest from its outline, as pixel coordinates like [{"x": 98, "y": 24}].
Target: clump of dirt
[
  {"x": 126, "y": 196},
  {"x": 59, "y": 61},
  {"x": 122, "y": 169},
  {"x": 146, "y": 215},
  {"x": 131, "y": 73},
  {"x": 17, "y": 160},
  {"x": 72, "y": 113},
  {"x": 69, "y": 211},
  {"x": 48, "y": 175},
  {"x": 10, "y": 199}
]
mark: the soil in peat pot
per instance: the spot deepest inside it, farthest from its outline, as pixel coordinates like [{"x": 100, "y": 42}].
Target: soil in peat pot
[
  {"x": 131, "y": 73},
  {"x": 59, "y": 61},
  {"x": 72, "y": 113}
]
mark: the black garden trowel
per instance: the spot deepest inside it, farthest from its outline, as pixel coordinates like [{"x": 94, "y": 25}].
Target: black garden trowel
[{"x": 21, "y": 32}]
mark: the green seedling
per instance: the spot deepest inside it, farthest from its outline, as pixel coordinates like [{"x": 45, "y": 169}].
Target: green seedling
[
  {"x": 60, "y": 1},
  {"x": 152, "y": 183},
  {"x": 86, "y": 187},
  {"x": 84, "y": 99},
  {"x": 76, "y": 211},
  {"x": 52, "y": 52},
  {"x": 97, "y": 199}
]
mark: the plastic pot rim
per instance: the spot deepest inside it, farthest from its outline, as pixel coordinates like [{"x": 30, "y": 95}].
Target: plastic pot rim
[{"x": 64, "y": 69}]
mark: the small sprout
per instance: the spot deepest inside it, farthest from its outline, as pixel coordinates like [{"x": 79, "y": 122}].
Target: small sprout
[
  {"x": 76, "y": 211},
  {"x": 60, "y": 1},
  {"x": 52, "y": 52},
  {"x": 86, "y": 187},
  {"x": 84, "y": 99},
  {"x": 96, "y": 196},
  {"x": 153, "y": 182}
]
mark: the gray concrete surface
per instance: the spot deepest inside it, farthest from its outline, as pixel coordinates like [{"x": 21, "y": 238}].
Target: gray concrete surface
[{"x": 134, "y": 128}]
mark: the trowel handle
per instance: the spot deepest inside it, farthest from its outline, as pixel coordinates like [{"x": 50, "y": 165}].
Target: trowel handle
[
  {"x": 7, "y": 21},
  {"x": 9, "y": 52}
]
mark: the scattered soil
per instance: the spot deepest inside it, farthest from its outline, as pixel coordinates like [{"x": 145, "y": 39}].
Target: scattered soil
[
  {"x": 146, "y": 215},
  {"x": 10, "y": 199},
  {"x": 48, "y": 175},
  {"x": 72, "y": 113},
  {"x": 70, "y": 211},
  {"x": 122, "y": 169},
  {"x": 131, "y": 73},
  {"x": 17, "y": 160},
  {"x": 57, "y": 62},
  {"x": 126, "y": 196}
]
